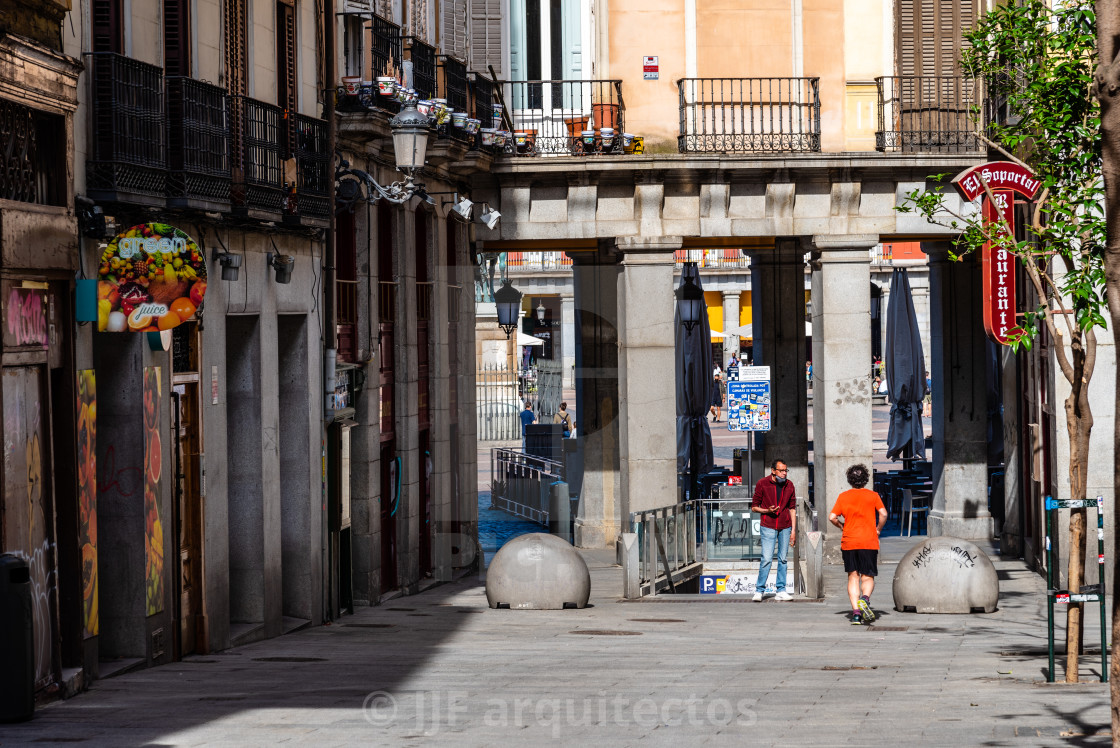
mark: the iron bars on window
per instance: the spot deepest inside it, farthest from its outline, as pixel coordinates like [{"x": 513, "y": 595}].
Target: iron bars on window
[
  {"x": 749, "y": 115},
  {"x": 927, "y": 114}
]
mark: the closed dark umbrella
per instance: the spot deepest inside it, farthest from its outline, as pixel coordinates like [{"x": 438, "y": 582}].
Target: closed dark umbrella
[
  {"x": 694, "y": 388},
  {"x": 906, "y": 373}
]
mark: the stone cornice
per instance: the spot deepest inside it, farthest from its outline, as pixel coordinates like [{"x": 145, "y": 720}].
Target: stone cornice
[{"x": 37, "y": 76}]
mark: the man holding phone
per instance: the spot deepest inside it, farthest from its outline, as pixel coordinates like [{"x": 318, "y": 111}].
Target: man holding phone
[{"x": 776, "y": 501}]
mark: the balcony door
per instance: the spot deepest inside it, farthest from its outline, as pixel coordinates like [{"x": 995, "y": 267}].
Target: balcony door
[{"x": 546, "y": 43}]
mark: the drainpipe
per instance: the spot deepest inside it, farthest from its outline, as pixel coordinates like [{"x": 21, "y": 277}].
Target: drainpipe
[{"x": 330, "y": 342}]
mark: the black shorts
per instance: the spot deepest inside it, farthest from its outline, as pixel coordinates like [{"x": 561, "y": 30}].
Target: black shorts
[{"x": 863, "y": 560}]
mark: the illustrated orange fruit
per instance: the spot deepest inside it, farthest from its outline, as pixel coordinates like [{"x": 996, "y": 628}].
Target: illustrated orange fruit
[
  {"x": 169, "y": 320},
  {"x": 183, "y": 307}
]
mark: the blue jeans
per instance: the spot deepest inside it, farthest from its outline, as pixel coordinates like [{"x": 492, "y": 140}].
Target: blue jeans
[{"x": 769, "y": 536}]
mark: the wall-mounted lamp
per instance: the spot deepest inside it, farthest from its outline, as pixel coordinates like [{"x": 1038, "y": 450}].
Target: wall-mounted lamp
[
  {"x": 283, "y": 265},
  {"x": 463, "y": 208},
  {"x": 507, "y": 299},
  {"x": 690, "y": 302},
  {"x": 489, "y": 217},
  {"x": 230, "y": 263}
]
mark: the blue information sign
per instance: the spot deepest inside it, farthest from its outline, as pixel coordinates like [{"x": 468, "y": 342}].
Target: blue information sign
[{"x": 748, "y": 400}]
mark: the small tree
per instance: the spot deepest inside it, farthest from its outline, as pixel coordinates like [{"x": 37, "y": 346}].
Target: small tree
[{"x": 1039, "y": 62}]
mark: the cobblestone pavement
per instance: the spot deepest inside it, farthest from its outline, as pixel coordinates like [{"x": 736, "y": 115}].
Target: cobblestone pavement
[{"x": 442, "y": 668}]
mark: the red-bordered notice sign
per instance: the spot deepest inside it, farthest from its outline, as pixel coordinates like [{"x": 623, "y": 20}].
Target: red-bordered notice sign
[{"x": 1005, "y": 180}]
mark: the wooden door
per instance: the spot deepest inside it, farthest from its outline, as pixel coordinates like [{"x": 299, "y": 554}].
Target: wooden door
[
  {"x": 188, "y": 512},
  {"x": 28, "y": 510}
]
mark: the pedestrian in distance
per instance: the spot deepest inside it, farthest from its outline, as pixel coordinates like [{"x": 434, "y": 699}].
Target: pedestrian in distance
[
  {"x": 863, "y": 516},
  {"x": 776, "y": 500},
  {"x": 717, "y": 396},
  {"x": 564, "y": 417},
  {"x": 527, "y": 417}
]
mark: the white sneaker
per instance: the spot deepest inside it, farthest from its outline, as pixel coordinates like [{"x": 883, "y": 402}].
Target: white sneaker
[
  {"x": 783, "y": 596},
  {"x": 757, "y": 597}
]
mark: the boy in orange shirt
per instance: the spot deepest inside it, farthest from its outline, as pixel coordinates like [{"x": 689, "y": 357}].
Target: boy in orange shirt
[{"x": 864, "y": 516}]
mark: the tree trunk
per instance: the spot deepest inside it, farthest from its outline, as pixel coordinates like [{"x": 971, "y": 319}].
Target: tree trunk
[
  {"x": 1108, "y": 91},
  {"x": 1079, "y": 425}
]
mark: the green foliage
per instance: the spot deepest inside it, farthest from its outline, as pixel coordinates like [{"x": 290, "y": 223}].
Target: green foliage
[{"x": 1038, "y": 63}]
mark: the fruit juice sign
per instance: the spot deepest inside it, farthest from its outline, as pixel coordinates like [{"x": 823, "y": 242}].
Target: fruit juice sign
[{"x": 152, "y": 277}]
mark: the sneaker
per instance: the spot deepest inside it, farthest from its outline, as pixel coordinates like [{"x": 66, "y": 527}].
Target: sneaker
[
  {"x": 783, "y": 596},
  {"x": 865, "y": 609},
  {"x": 757, "y": 597},
  {"x": 857, "y": 619}
]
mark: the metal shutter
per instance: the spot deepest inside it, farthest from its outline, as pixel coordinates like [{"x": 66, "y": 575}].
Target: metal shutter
[
  {"x": 177, "y": 38},
  {"x": 105, "y": 26}
]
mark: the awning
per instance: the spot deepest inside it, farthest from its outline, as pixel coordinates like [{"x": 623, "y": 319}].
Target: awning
[{"x": 523, "y": 339}]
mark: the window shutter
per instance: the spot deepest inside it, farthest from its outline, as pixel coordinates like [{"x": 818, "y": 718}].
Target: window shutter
[
  {"x": 286, "y": 72},
  {"x": 486, "y": 35},
  {"x": 453, "y": 32},
  {"x": 105, "y": 26},
  {"x": 237, "y": 41},
  {"x": 176, "y": 38},
  {"x": 931, "y": 35}
]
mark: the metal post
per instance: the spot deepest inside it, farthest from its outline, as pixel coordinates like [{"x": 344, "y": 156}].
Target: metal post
[
  {"x": 1100, "y": 581},
  {"x": 1049, "y": 596}
]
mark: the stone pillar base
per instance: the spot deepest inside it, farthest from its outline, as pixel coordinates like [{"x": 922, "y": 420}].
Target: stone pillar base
[
  {"x": 957, "y": 526},
  {"x": 591, "y": 533}
]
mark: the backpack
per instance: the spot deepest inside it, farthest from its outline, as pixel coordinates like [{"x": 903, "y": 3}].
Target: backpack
[{"x": 567, "y": 421}]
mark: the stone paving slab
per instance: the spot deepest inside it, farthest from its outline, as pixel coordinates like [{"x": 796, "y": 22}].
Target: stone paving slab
[{"x": 443, "y": 668}]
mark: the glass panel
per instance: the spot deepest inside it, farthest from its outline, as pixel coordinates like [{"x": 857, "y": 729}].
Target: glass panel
[{"x": 732, "y": 533}]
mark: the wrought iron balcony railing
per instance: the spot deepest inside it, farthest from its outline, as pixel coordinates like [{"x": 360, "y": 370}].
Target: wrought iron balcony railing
[
  {"x": 454, "y": 86},
  {"x": 481, "y": 90},
  {"x": 197, "y": 145},
  {"x": 314, "y": 179},
  {"x": 387, "y": 54},
  {"x": 550, "y": 117},
  {"x": 128, "y": 157},
  {"x": 927, "y": 114},
  {"x": 749, "y": 115},
  {"x": 254, "y": 155},
  {"x": 30, "y": 159},
  {"x": 423, "y": 58}
]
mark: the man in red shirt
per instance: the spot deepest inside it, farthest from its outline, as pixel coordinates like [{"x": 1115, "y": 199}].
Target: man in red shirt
[
  {"x": 864, "y": 516},
  {"x": 775, "y": 499}
]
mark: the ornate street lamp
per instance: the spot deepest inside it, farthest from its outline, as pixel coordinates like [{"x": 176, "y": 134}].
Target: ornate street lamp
[
  {"x": 690, "y": 303},
  {"x": 410, "y": 138},
  {"x": 540, "y": 313},
  {"x": 508, "y": 301}
]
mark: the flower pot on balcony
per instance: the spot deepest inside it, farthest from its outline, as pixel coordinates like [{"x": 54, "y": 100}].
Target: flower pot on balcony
[
  {"x": 525, "y": 140},
  {"x": 576, "y": 125},
  {"x": 605, "y": 115}
]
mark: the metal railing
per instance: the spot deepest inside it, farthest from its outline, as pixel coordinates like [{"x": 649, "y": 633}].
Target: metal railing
[
  {"x": 347, "y": 302},
  {"x": 312, "y": 198},
  {"x": 197, "y": 141},
  {"x": 127, "y": 150},
  {"x": 550, "y": 117},
  {"x": 424, "y": 300},
  {"x": 730, "y": 532},
  {"x": 498, "y": 403},
  {"x": 255, "y": 155},
  {"x": 712, "y": 258},
  {"x": 550, "y": 389},
  {"x": 666, "y": 540},
  {"x": 481, "y": 90},
  {"x": 423, "y": 58},
  {"x": 536, "y": 261},
  {"x": 519, "y": 483},
  {"x": 927, "y": 114},
  {"x": 760, "y": 115},
  {"x": 386, "y": 302},
  {"x": 26, "y": 164},
  {"x": 454, "y": 83}
]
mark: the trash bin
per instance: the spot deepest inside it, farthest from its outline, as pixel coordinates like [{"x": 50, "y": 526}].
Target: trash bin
[{"x": 17, "y": 676}]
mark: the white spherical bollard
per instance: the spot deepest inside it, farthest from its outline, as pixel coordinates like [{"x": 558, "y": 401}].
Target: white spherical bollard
[
  {"x": 945, "y": 575},
  {"x": 538, "y": 572}
]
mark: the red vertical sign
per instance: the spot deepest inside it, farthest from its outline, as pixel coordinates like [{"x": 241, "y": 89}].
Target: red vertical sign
[
  {"x": 998, "y": 267},
  {"x": 1005, "y": 179}
]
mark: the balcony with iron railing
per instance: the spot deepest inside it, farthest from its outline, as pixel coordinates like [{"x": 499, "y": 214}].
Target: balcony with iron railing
[
  {"x": 523, "y": 263},
  {"x": 565, "y": 117},
  {"x": 423, "y": 58},
  {"x": 749, "y": 115},
  {"x": 387, "y": 55},
  {"x": 197, "y": 145},
  {"x": 928, "y": 114},
  {"x": 257, "y": 189},
  {"x": 127, "y": 152},
  {"x": 309, "y": 202}
]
